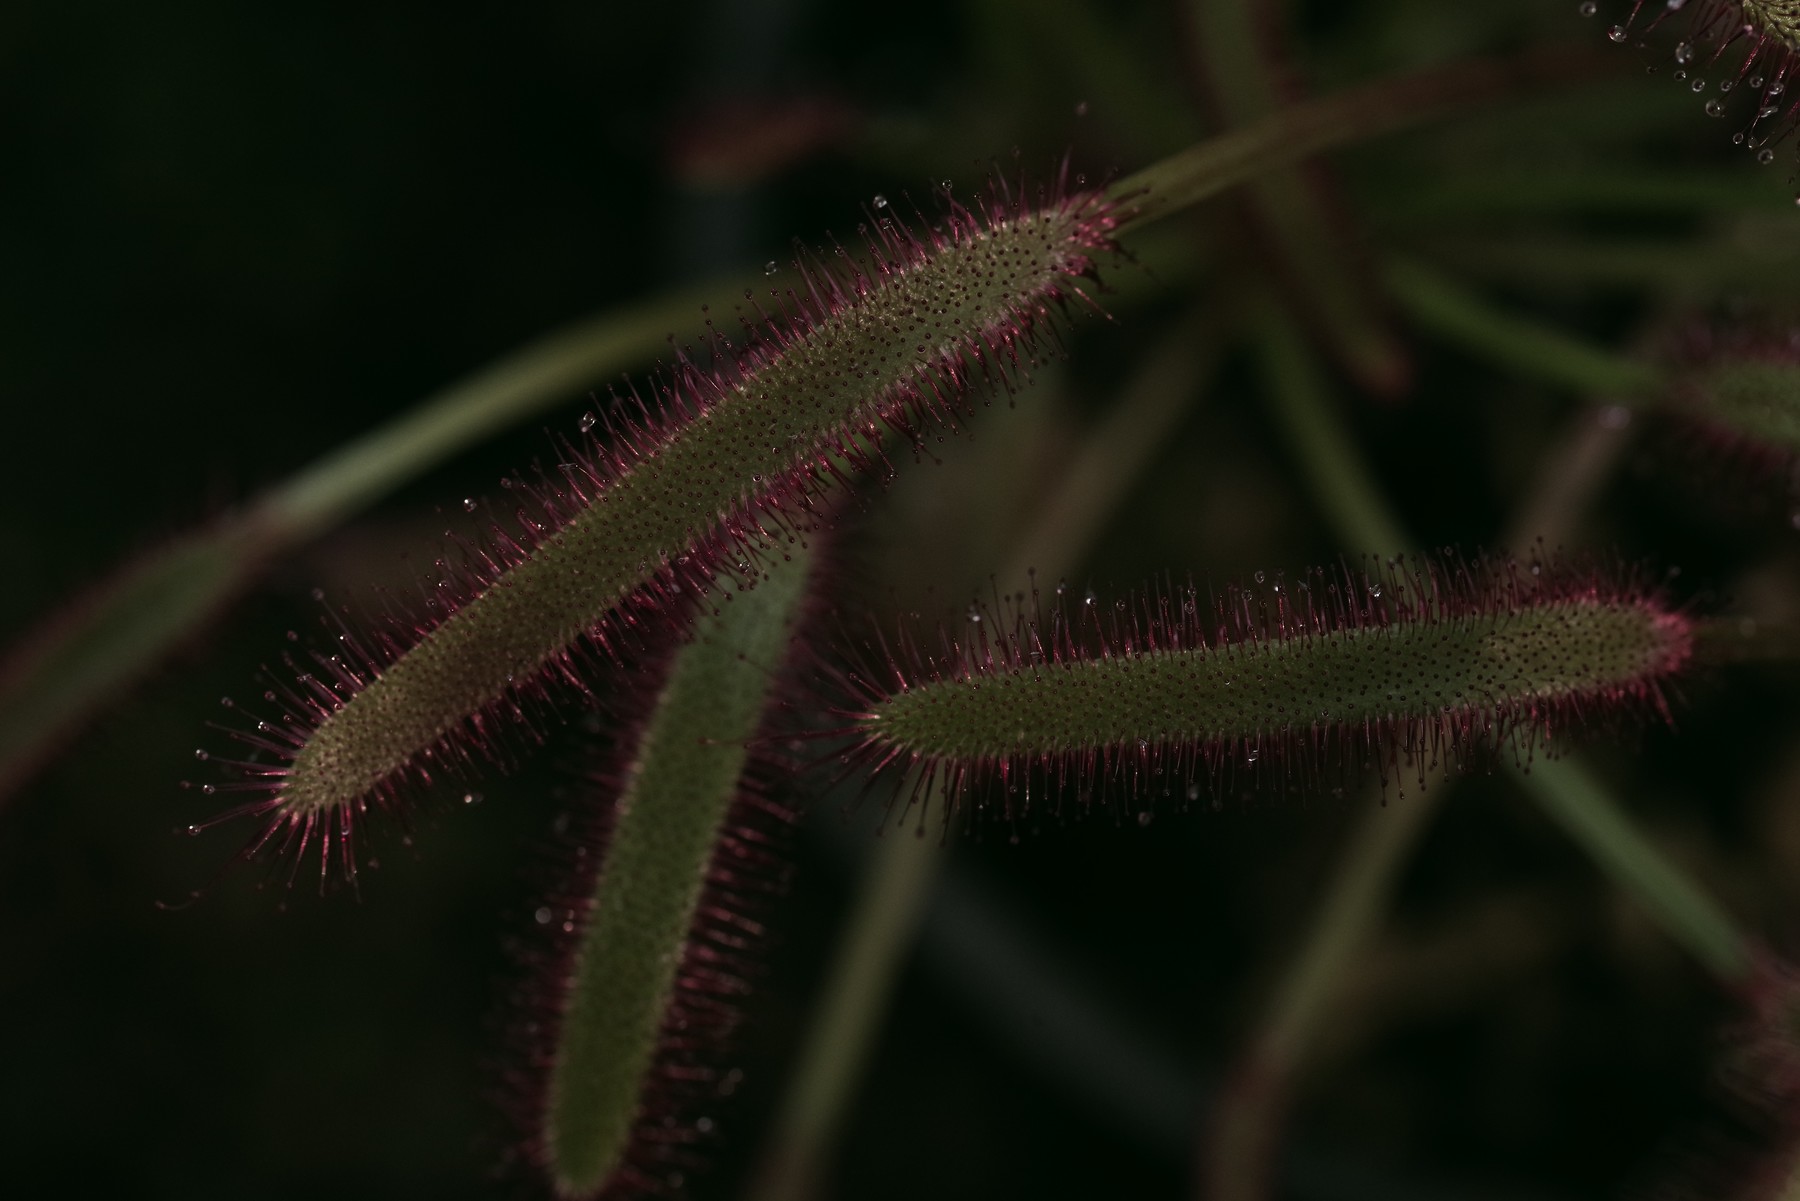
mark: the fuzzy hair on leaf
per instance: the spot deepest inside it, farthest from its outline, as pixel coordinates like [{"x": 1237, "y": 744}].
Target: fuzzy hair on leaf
[
  {"x": 724, "y": 473},
  {"x": 674, "y": 1108},
  {"x": 1278, "y": 684},
  {"x": 642, "y": 955}
]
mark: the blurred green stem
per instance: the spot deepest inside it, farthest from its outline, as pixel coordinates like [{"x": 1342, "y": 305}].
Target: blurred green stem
[
  {"x": 1303, "y": 130},
  {"x": 64, "y": 672},
  {"x": 1570, "y": 473},
  {"x": 1570, "y": 794},
  {"x": 1248, "y": 1114},
  {"x": 1748, "y": 257},
  {"x": 1454, "y": 197},
  {"x": 59, "y": 675},
  {"x": 523, "y": 384},
  {"x": 1230, "y": 43},
  {"x": 1463, "y": 317},
  {"x": 1341, "y": 481},
  {"x": 885, "y": 917},
  {"x": 1245, "y": 1124},
  {"x": 1573, "y": 796},
  {"x": 851, "y": 1009}
]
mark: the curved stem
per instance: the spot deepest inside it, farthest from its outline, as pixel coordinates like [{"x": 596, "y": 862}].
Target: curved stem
[
  {"x": 1539, "y": 352},
  {"x": 1210, "y": 167},
  {"x": 1245, "y": 1123},
  {"x": 1570, "y": 474},
  {"x": 1572, "y": 795},
  {"x": 1342, "y": 483},
  {"x": 115, "y": 638},
  {"x": 1248, "y": 1116},
  {"x": 1576, "y": 800},
  {"x": 890, "y": 903},
  {"x": 61, "y": 674},
  {"x": 1230, "y": 44},
  {"x": 526, "y": 382},
  {"x": 851, "y": 1010}
]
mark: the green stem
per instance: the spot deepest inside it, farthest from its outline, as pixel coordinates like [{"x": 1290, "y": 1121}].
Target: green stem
[
  {"x": 1342, "y": 483},
  {"x": 1463, "y": 317},
  {"x": 1299, "y": 132},
  {"x": 852, "y": 1008},
  {"x": 1579, "y": 463},
  {"x": 1570, "y": 794},
  {"x": 1569, "y": 474},
  {"x": 884, "y": 919},
  {"x": 1357, "y": 509},
  {"x": 1750, "y": 258},
  {"x": 1455, "y": 197},
  {"x": 1245, "y": 1124},
  {"x": 1247, "y": 1118},
  {"x": 1116, "y": 451},
  {"x": 63, "y": 673},
  {"x": 524, "y": 383},
  {"x": 115, "y": 637},
  {"x": 1311, "y": 253}
]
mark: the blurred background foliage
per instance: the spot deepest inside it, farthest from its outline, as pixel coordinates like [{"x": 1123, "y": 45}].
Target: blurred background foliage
[{"x": 234, "y": 238}]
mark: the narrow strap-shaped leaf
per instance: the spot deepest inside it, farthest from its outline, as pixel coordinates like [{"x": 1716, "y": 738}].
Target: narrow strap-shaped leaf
[
  {"x": 650, "y": 981},
  {"x": 1395, "y": 665},
  {"x": 724, "y": 477}
]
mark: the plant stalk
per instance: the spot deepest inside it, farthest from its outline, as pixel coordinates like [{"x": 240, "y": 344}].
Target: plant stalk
[
  {"x": 1243, "y": 1130},
  {"x": 884, "y": 919}
]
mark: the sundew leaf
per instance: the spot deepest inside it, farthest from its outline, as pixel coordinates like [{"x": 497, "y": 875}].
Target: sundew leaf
[
  {"x": 40, "y": 709},
  {"x": 678, "y": 850},
  {"x": 1737, "y": 385},
  {"x": 728, "y": 470},
  {"x": 723, "y": 478},
  {"x": 1761, "y": 37},
  {"x": 1406, "y": 664}
]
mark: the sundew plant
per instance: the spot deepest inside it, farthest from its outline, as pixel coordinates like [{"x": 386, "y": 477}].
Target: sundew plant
[{"x": 1190, "y": 599}]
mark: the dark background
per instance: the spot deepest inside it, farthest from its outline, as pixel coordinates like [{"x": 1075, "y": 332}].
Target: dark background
[{"x": 233, "y": 237}]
